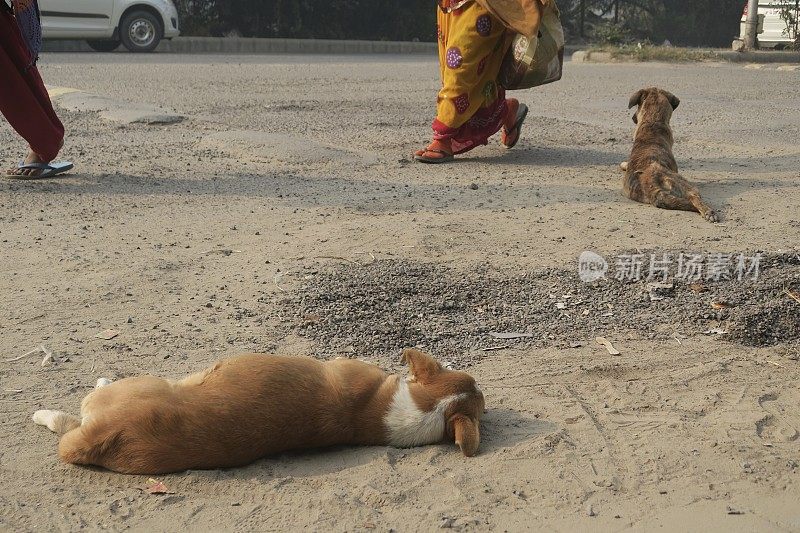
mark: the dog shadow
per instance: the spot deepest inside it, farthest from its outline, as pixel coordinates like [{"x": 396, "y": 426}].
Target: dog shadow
[
  {"x": 500, "y": 429},
  {"x": 504, "y": 428}
]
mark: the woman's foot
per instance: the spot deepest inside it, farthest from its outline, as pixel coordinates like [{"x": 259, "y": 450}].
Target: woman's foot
[
  {"x": 436, "y": 152},
  {"x": 512, "y": 126},
  {"x": 33, "y": 157}
]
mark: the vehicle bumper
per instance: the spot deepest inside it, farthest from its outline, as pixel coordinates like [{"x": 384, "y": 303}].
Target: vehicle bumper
[{"x": 170, "y": 17}]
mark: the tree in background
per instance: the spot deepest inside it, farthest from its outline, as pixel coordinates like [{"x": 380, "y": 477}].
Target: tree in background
[
  {"x": 196, "y": 16},
  {"x": 790, "y": 14},
  {"x": 318, "y": 19},
  {"x": 687, "y": 23},
  {"x": 695, "y": 23},
  {"x": 707, "y": 22}
]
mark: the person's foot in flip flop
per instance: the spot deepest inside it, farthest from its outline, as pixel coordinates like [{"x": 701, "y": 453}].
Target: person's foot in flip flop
[
  {"x": 33, "y": 157},
  {"x": 436, "y": 152},
  {"x": 35, "y": 166},
  {"x": 512, "y": 126}
]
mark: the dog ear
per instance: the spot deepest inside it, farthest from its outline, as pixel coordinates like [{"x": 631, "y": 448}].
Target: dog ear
[
  {"x": 466, "y": 434},
  {"x": 423, "y": 367},
  {"x": 636, "y": 98},
  {"x": 674, "y": 101}
]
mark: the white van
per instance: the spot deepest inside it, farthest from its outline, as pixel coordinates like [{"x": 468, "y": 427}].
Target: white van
[
  {"x": 772, "y": 32},
  {"x": 104, "y": 24}
]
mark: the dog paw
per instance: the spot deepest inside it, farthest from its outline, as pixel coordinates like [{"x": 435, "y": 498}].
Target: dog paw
[
  {"x": 624, "y": 165},
  {"x": 711, "y": 216},
  {"x": 102, "y": 382},
  {"x": 44, "y": 417}
]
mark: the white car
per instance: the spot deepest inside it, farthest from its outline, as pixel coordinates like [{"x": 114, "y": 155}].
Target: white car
[
  {"x": 772, "y": 31},
  {"x": 138, "y": 24}
]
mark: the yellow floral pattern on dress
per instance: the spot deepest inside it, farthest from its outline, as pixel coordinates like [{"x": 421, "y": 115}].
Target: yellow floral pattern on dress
[{"x": 472, "y": 43}]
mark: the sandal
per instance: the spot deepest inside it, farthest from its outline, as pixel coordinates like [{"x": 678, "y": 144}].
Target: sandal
[
  {"x": 435, "y": 147},
  {"x": 516, "y": 130},
  {"x": 48, "y": 170}
]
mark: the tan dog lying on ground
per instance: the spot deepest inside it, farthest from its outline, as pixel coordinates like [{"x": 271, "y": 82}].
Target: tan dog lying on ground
[
  {"x": 651, "y": 173},
  {"x": 256, "y": 405}
]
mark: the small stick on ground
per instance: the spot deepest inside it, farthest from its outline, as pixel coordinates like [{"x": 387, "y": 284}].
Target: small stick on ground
[
  {"x": 371, "y": 255},
  {"x": 23, "y": 356},
  {"x": 29, "y": 319},
  {"x": 493, "y": 348},
  {"x": 607, "y": 343},
  {"x": 519, "y": 386},
  {"x": 794, "y": 295},
  {"x": 276, "y": 279},
  {"x": 222, "y": 251},
  {"x": 48, "y": 356}
]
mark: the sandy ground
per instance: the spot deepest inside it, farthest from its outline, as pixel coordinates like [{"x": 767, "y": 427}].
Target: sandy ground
[{"x": 285, "y": 166}]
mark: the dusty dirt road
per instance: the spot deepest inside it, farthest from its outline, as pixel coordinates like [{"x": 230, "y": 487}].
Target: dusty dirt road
[{"x": 208, "y": 237}]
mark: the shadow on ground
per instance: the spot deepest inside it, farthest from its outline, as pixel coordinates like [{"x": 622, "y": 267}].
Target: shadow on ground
[{"x": 504, "y": 428}]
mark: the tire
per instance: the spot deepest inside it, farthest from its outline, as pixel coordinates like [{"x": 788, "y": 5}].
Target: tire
[
  {"x": 141, "y": 31},
  {"x": 103, "y": 46}
]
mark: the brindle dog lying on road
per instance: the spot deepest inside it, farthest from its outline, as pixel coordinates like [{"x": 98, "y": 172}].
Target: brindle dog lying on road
[{"x": 651, "y": 173}]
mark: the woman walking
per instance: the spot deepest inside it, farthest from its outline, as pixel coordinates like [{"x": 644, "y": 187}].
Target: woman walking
[
  {"x": 471, "y": 106},
  {"x": 23, "y": 97}
]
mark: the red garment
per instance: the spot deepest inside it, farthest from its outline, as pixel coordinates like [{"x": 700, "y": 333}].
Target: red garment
[
  {"x": 477, "y": 130},
  {"x": 23, "y": 97}
]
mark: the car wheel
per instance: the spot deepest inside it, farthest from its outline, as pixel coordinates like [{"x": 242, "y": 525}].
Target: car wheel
[
  {"x": 103, "y": 46},
  {"x": 141, "y": 31}
]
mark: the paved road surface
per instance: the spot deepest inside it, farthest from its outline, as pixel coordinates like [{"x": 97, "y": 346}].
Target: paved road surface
[{"x": 286, "y": 165}]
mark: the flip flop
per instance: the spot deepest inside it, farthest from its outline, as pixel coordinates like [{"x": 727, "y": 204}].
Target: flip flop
[
  {"x": 522, "y": 113},
  {"x": 435, "y": 160},
  {"x": 48, "y": 170}
]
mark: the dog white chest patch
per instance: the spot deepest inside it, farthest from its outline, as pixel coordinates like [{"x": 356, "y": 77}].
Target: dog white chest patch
[{"x": 408, "y": 425}]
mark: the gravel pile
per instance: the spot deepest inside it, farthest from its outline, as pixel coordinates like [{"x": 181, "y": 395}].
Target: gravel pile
[{"x": 378, "y": 308}]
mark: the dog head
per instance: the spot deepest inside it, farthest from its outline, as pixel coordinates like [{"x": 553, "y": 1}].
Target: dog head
[
  {"x": 655, "y": 105},
  {"x": 465, "y": 402}
]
